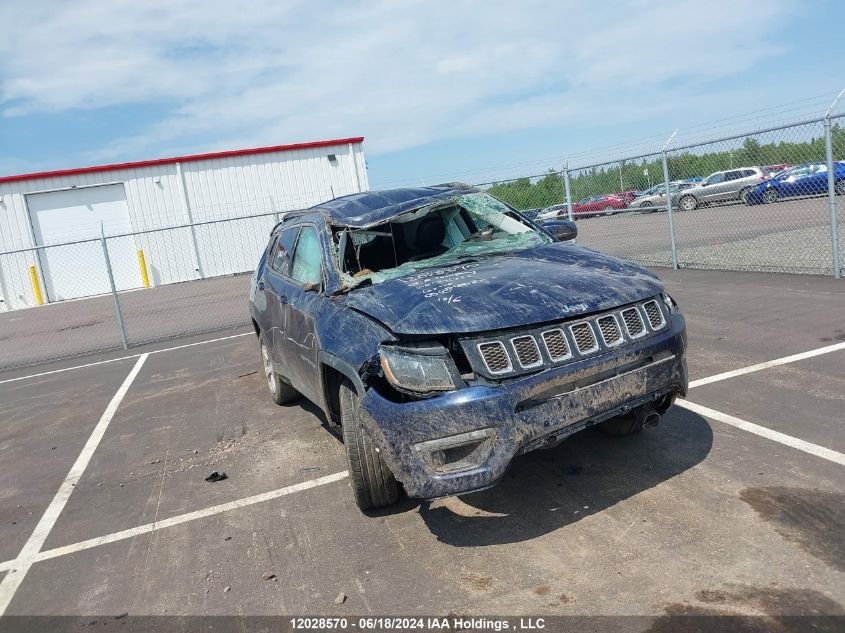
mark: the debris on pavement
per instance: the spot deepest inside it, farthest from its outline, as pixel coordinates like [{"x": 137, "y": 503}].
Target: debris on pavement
[
  {"x": 269, "y": 576},
  {"x": 341, "y": 598},
  {"x": 215, "y": 477}
]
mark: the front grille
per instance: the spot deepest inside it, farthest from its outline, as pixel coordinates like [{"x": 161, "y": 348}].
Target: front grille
[
  {"x": 556, "y": 345},
  {"x": 514, "y": 353},
  {"x": 585, "y": 340},
  {"x": 655, "y": 316},
  {"x": 495, "y": 357},
  {"x": 609, "y": 329},
  {"x": 633, "y": 322},
  {"x": 527, "y": 352}
]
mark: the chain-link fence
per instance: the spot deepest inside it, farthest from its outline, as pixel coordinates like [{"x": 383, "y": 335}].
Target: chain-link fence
[
  {"x": 764, "y": 201},
  {"x": 119, "y": 291}
]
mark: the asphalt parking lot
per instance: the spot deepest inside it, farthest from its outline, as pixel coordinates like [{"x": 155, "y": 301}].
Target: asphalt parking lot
[
  {"x": 733, "y": 505},
  {"x": 790, "y": 236}
]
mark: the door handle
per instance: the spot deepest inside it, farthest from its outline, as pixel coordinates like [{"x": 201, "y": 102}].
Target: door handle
[{"x": 283, "y": 298}]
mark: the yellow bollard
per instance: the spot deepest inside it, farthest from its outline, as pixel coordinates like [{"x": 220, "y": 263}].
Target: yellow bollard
[
  {"x": 142, "y": 262},
  {"x": 36, "y": 287}
]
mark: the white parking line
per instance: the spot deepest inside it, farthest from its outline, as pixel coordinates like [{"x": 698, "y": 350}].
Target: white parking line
[
  {"x": 695, "y": 383},
  {"x": 769, "y": 363},
  {"x": 183, "y": 518},
  {"x": 115, "y": 360},
  {"x": 32, "y": 547},
  {"x": 782, "y": 438}
]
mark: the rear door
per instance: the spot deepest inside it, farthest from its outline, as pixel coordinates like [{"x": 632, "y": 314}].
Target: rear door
[
  {"x": 277, "y": 287},
  {"x": 729, "y": 188},
  {"x": 305, "y": 297}
]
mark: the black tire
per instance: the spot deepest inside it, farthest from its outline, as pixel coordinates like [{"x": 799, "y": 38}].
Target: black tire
[
  {"x": 372, "y": 482},
  {"x": 280, "y": 391},
  {"x": 622, "y": 425},
  {"x": 687, "y": 203},
  {"x": 839, "y": 187},
  {"x": 771, "y": 195}
]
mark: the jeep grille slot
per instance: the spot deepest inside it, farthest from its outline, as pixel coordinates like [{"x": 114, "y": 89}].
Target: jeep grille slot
[
  {"x": 585, "y": 340},
  {"x": 527, "y": 352},
  {"x": 556, "y": 345},
  {"x": 655, "y": 316},
  {"x": 633, "y": 322},
  {"x": 507, "y": 354},
  {"x": 495, "y": 357},
  {"x": 609, "y": 328}
]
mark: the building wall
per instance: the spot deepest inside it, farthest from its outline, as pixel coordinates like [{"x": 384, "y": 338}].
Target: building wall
[{"x": 174, "y": 194}]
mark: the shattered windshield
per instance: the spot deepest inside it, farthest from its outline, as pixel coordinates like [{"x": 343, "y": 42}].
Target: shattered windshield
[{"x": 473, "y": 224}]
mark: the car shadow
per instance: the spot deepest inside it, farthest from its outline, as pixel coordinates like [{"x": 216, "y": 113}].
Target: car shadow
[{"x": 549, "y": 489}]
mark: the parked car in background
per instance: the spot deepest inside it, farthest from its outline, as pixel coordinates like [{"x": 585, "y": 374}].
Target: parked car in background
[
  {"x": 657, "y": 197},
  {"x": 531, "y": 214},
  {"x": 776, "y": 169},
  {"x": 722, "y": 186},
  {"x": 597, "y": 205},
  {"x": 554, "y": 211},
  {"x": 627, "y": 196},
  {"x": 801, "y": 180},
  {"x": 445, "y": 335}
]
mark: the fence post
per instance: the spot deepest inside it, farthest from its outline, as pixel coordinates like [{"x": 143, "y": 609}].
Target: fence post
[
  {"x": 831, "y": 198},
  {"x": 568, "y": 191},
  {"x": 669, "y": 211},
  {"x": 117, "y": 311}
]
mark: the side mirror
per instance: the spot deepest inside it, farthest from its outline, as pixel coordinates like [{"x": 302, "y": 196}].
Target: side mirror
[{"x": 561, "y": 230}]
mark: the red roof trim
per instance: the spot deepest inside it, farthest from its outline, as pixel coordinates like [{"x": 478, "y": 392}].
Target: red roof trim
[{"x": 182, "y": 159}]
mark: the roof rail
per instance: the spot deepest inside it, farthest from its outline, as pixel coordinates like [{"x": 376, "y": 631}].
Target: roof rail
[{"x": 455, "y": 185}]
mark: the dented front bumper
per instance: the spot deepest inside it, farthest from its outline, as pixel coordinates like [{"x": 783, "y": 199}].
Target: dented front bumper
[{"x": 520, "y": 415}]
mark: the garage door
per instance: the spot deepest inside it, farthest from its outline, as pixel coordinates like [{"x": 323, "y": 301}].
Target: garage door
[{"x": 79, "y": 270}]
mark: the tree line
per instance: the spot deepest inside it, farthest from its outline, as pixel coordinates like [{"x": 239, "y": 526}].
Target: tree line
[{"x": 529, "y": 193}]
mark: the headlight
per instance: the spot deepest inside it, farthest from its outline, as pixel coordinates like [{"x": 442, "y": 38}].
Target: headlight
[
  {"x": 420, "y": 369},
  {"x": 669, "y": 302}
]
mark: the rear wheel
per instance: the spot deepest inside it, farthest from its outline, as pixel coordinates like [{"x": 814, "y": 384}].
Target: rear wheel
[
  {"x": 770, "y": 195},
  {"x": 687, "y": 203},
  {"x": 839, "y": 188},
  {"x": 372, "y": 482},
  {"x": 280, "y": 391}
]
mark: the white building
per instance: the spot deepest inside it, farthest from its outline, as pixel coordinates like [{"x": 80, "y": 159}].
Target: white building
[{"x": 57, "y": 207}]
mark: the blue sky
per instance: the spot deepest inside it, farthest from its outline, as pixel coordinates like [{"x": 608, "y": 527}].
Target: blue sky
[{"x": 440, "y": 90}]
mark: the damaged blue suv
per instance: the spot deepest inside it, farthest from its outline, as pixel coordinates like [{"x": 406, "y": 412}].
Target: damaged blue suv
[{"x": 447, "y": 334}]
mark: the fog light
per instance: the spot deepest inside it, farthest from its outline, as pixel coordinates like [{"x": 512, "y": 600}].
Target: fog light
[{"x": 457, "y": 452}]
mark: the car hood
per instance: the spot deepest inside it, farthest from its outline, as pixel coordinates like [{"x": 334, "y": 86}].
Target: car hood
[{"x": 490, "y": 292}]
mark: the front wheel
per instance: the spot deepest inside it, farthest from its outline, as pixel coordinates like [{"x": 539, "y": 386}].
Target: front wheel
[
  {"x": 608, "y": 210},
  {"x": 372, "y": 482},
  {"x": 688, "y": 203},
  {"x": 770, "y": 195},
  {"x": 280, "y": 391},
  {"x": 839, "y": 188}
]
